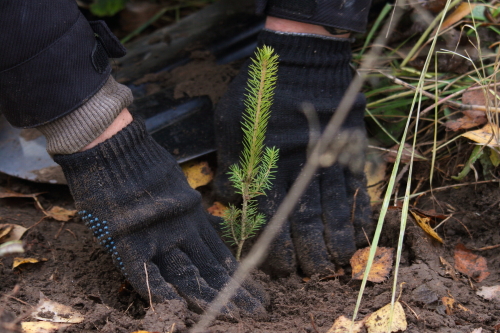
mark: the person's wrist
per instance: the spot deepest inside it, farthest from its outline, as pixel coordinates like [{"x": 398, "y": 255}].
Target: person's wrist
[
  {"x": 284, "y": 25},
  {"x": 120, "y": 122}
]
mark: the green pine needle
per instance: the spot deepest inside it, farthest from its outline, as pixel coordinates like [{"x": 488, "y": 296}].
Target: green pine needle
[{"x": 255, "y": 171}]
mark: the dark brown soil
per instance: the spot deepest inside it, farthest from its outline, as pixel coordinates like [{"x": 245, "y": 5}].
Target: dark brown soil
[{"x": 80, "y": 274}]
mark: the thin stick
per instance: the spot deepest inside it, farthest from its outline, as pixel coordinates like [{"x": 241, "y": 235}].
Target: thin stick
[
  {"x": 17, "y": 299},
  {"x": 460, "y": 106},
  {"x": 149, "y": 290},
  {"x": 456, "y": 185},
  {"x": 313, "y": 324},
  {"x": 485, "y": 248}
]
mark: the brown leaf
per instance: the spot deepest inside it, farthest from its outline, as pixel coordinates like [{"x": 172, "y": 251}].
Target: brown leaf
[
  {"x": 6, "y": 193},
  {"x": 197, "y": 173},
  {"x": 381, "y": 266},
  {"x": 469, "y": 120},
  {"x": 459, "y": 13},
  {"x": 475, "y": 96},
  {"x": 423, "y": 222},
  {"x": 60, "y": 214},
  {"x": 217, "y": 209},
  {"x": 470, "y": 264},
  {"x": 429, "y": 213},
  {"x": 10, "y": 232}
]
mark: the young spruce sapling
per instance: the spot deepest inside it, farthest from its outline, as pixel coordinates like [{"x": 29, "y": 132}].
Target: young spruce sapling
[{"x": 252, "y": 176}]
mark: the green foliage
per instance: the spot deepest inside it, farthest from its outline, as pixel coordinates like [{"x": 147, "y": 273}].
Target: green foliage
[
  {"x": 252, "y": 176},
  {"x": 107, "y": 7}
]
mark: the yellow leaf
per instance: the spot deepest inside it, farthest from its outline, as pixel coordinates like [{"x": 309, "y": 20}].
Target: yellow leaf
[
  {"x": 21, "y": 261},
  {"x": 48, "y": 310},
  {"x": 379, "y": 320},
  {"x": 375, "y": 174},
  {"x": 197, "y": 173},
  {"x": 60, "y": 214},
  {"x": 217, "y": 209},
  {"x": 5, "y": 230},
  {"x": 488, "y": 135},
  {"x": 452, "y": 305},
  {"x": 381, "y": 266},
  {"x": 10, "y": 232},
  {"x": 343, "y": 325},
  {"x": 423, "y": 223},
  {"x": 42, "y": 327}
]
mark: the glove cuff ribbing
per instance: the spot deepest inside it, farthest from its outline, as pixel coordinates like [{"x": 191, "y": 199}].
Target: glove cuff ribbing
[{"x": 69, "y": 134}]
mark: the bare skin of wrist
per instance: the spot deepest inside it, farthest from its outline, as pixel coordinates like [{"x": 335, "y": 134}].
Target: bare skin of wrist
[
  {"x": 123, "y": 119},
  {"x": 279, "y": 24}
]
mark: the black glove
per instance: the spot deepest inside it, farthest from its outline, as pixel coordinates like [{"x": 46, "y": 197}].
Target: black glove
[
  {"x": 134, "y": 197},
  {"x": 322, "y": 228}
]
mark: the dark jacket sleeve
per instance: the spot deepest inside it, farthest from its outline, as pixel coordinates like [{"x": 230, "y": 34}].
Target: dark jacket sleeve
[
  {"x": 349, "y": 15},
  {"x": 52, "y": 60}
]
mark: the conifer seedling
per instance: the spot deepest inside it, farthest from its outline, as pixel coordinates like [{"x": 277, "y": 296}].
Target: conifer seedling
[{"x": 252, "y": 176}]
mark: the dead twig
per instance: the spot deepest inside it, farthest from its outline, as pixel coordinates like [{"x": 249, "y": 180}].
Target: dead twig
[
  {"x": 485, "y": 248},
  {"x": 149, "y": 290},
  {"x": 313, "y": 324}
]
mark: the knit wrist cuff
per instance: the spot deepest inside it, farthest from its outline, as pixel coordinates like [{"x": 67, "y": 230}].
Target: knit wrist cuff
[{"x": 69, "y": 134}]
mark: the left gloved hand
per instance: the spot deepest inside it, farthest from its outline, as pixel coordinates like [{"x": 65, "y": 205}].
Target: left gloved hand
[{"x": 332, "y": 218}]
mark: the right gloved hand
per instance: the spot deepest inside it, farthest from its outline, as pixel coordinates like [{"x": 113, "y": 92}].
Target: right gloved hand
[
  {"x": 332, "y": 218},
  {"x": 134, "y": 197}
]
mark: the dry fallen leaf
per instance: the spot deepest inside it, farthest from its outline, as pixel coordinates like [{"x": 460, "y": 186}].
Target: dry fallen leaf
[
  {"x": 56, "y": 212},
  {"x": 375, "y": 174},
  {"x": 60, "y": 214},
  {"x": 6, "y": 193},
  {"x": 490, "y": 293},
  {"x": 470, "y": 264},
  {"x": 21, "y": 261},
  {"x": 459, "y": 13},
  {"x": 11, "y": 232},
  {"x": 217, "y": 209},
  {"x": 42, "y": 327},
  {"x": 197, "y": 173},
  {"x": 379, "y": 320},
  {"x": 487, "y": 135},
  {"x": 48, "y": 310},
  {"x": 343, "y": 325},
  {"x": 451, "y": 305},
  {"x": 423, "y": 223},
  {"x": 471, "y": 118},
  {"x": 381, "y": 266}
]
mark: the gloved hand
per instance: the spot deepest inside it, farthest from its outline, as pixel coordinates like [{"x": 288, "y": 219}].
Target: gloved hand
[
  {"x": 132, "y": 194},
  {"x": 332, "y": 218}
]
